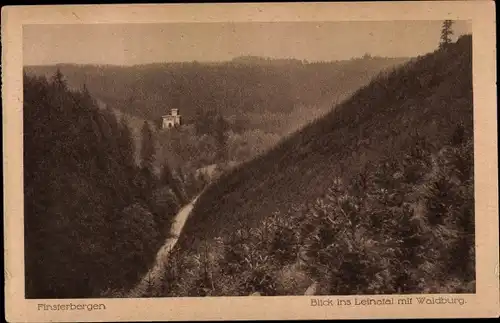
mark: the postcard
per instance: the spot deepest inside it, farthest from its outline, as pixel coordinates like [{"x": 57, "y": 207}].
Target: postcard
[{"x": 250, "y": 161}]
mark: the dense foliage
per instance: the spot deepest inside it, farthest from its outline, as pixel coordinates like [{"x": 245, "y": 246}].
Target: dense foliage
[
  {"x": 93, "y": 218},
  {"x": 376, "y": 197},
  {"x": 231, "y": 111},
  {"x": 251, "y": 93}
]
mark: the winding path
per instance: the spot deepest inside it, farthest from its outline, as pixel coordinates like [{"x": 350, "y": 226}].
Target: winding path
[{"x": 155, "y": 274}]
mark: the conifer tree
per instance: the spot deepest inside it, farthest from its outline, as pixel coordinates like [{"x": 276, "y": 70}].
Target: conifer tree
[
  {"x": 58, "y": 79},
  {"x": 446, "y": 33}
]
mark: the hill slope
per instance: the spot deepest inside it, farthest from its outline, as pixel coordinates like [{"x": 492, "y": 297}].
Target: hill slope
[
  {"x": 376, "y": 197},
  {"x": 261, "y": 99},
  {"x": 242, "y": 91},
  {"x": 93, "y": 219}
]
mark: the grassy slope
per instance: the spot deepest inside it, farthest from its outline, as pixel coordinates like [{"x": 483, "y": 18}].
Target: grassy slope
[{"x": 432, "y": 94}]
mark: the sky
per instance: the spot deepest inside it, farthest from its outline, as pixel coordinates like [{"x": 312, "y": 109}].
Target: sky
[{"x": 131, "y": 44}]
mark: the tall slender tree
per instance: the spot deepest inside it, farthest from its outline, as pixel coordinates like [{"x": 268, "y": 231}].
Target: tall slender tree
[
  {"x": 146, "y": 180},
  {"x": 147, "y": 147},
  {"x": 58, "y": 79},
  {"x": 446, "y": 33},
  {"x": 126, "y": 143}
]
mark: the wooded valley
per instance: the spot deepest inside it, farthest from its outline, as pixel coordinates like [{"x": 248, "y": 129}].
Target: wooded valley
[{"x": 355, "y": 175}]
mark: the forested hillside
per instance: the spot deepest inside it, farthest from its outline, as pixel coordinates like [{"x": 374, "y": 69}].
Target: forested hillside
[
  {"x": 232, "y": 111},
  {"x": 375, "y": 197},
  {"x": 94, "y": 218},
  {"x": 252, "y": 94}
]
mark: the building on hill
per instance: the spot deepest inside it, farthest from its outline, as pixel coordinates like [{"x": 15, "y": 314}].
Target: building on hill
[{"x": 171, "y": 120}]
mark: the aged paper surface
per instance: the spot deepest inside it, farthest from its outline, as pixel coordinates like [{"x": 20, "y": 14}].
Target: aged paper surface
[{"x": 75, "y": 262}]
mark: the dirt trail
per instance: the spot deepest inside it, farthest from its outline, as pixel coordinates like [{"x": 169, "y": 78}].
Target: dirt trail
[{"x": 155, "y": 274}]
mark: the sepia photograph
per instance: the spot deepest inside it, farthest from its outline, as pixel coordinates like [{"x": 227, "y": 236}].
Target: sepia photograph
[
  {"x": 230, "y": 159},
  {"x": 205, "y": 159}
]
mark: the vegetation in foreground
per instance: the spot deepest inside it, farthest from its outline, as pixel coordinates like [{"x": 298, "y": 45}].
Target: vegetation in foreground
[{"x": 375, "y": 198}]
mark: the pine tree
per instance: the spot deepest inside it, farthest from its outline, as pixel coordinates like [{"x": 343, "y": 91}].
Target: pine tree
[
  {"x": 146, "y": 180},
  {"x": 126, "y": 143},
  {"x": 446, "y": 33},
  {"x": 58, "y": 79},
  {"x": 85, "y": 90},
  {"x": 147, "y": 147},
  {"x": 221, "y": 127},
  {"x": 81, "y": 184}
]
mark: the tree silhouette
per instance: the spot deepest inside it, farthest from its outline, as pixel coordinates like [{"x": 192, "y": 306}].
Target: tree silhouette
[
  {"x": 58, "y": 79},
  {"x": 446, "y": 33},
  {"x": 147, "y": 147}
]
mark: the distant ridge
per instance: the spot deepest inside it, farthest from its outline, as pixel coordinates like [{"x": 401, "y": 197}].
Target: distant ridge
[{"x": 256, "y": 86}]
